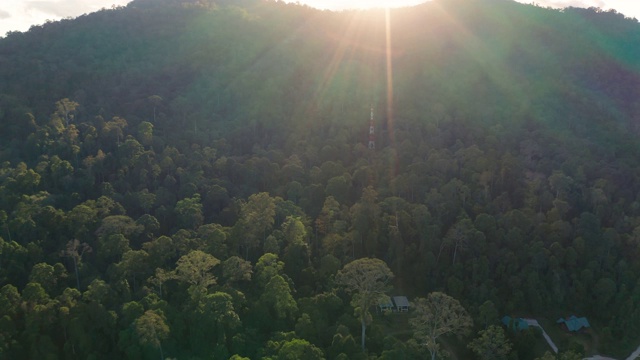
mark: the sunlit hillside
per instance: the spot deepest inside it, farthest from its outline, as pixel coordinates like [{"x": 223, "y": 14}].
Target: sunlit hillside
[{"x": 205, "y": 179}]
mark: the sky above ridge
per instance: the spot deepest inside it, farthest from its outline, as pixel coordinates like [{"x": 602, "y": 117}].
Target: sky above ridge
[{"x": 20, "y": 15}]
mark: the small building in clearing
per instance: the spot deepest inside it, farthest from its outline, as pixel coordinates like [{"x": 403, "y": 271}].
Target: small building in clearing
[
  {"x": 386, "y": 306},
  {"x": 401, "y": 303},
  {"x": 574, "y": 323},
  {"x": 515, "y": 324}
]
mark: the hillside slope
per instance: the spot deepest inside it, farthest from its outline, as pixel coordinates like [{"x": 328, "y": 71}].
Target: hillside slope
[{"x": 230, "y": 140}]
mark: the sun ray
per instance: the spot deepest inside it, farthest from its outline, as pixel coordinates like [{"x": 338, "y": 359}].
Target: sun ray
[
  {"x": 389, "y": 73},
  {"x": 492, "y": 64},
  {"x": 354, "y": 60},
  {"x": 344, "y": 44},
  {"x": 361, "y": 4}
]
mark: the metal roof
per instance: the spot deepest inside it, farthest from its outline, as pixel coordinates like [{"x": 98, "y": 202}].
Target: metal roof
[
  {"x": 401, "y": 301},
  {"x": 515, "y": 323},
  {"x": 574, "y": 323}
]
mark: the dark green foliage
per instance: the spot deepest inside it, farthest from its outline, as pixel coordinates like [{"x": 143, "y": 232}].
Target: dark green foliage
[
  {"x": 491, "y": 344},
  {"x": 142, "y": 146}
]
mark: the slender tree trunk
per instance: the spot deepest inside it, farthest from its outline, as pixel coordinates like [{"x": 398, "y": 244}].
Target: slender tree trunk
[
  {"x": 353, "y": 247},
  {"x": 161, "y": 352},
  {"x": 455, "y": 252},
  {"x": 364, "y": 329},
  {"x": 315, "y": 243},
  {"x": 75, "y": 267},
  {"x": 66, "y": 339},
  {"x": 442, "y": 245}
]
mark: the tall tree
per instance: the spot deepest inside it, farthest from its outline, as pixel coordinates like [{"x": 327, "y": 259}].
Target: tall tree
[
  {"x": 189, "y": 212},
  {"x": 3, "y": 221},
  {"x": 299, "y": 349},
  {"x": 366, "y": 280},
  {"x": 152, "y": 329},
  {"x": 328, "y": 215},
  {"x": 65, "y": 110},
  {"x": 257, "y": 216},
  {"x": 365, "y": 215},
  {"x": 278, "y": 299},
  {"x": 459, "y": 235},
  {"x": 195, "y": 269},
  {"x": 491, "y": 344},
  {"x": 236, "y": 269},
  {"x": 75, "y": 250},
  {"x": 439, "y": 314}
]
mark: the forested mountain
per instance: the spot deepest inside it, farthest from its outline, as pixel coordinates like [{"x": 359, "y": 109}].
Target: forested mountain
[{"x": 192, "y": 179}]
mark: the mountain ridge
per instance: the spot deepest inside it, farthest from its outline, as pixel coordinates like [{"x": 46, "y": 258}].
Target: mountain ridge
[{"x": 230, "y": 140}]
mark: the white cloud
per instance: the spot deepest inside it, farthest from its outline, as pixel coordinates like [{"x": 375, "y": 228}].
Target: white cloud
[
  {"x": 58, "y": 9},
  {"x": 26, "y": 13},
  {"x": 65, "y": 8}
]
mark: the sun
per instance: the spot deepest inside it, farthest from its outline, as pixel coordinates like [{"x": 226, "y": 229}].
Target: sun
[{"x": 360, "y": 4}]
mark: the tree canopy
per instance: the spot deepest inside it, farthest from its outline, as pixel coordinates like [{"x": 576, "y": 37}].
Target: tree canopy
[{"x": 191, "y": 179}]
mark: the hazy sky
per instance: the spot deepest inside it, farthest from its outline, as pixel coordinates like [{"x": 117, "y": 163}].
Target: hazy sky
[{"x": 19, "y": 15}]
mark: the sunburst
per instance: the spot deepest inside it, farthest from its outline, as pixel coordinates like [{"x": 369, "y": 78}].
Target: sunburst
[{"x": 360, "y": 4}]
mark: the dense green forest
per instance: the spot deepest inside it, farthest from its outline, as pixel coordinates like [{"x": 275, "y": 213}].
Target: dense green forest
[{"x": 191, "y": 179}]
